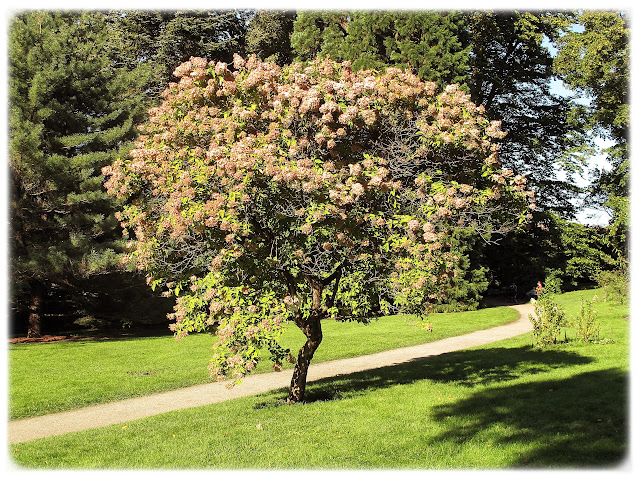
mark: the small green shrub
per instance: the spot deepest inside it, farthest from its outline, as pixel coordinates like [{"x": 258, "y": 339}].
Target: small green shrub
[
  {"x": 547, "y": 321},
  {"x": 586, "y": 322},
  {"x": 615, "y": 284}
]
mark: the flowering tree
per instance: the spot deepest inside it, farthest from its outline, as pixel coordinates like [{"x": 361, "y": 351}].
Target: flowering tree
[{"x": 259, "y": 195}]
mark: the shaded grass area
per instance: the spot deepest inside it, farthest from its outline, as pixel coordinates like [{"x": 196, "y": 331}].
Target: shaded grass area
[
  {"x": 502, "y": 405},
  {"x": 46, "y": 378}
]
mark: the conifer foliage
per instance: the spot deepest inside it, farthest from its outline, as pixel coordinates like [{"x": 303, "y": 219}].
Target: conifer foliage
[
  {"x": 71, "y": 113},
  {"x": 430, "y": 43},
  {"x": 162, "y": 39},
  {"x": 261, "y": 194}
]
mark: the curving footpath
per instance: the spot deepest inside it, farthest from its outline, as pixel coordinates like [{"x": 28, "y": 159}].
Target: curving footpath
[{"x": 24, "y": 430}]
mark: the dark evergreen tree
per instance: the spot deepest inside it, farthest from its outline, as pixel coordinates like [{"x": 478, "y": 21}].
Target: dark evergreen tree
[
  {"x": 269, "y": 36},
  {"x": 432, "y": 44},
  {"x": 164, "y": 39},
  {"x": 319, "y": 34},
  {"x": 71, "y": 113}
]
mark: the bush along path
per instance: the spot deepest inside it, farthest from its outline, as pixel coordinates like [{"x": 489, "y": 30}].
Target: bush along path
[{"x": 24, "y": 430}]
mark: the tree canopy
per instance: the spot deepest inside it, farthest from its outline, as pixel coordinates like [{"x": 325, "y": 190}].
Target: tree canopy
[
  {"x": 594, "y": 59},
  {"x": 510, "y": 75},
  {"x": 260, "y": 194}
]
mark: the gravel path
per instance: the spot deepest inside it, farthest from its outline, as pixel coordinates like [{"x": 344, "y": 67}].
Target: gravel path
[{"x": 24, "y": 430}]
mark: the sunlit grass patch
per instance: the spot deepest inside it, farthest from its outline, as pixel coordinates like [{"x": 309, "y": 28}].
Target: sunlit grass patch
[
  {"x": 45, "y": 378},
  {"x": 497, "y": 406}
]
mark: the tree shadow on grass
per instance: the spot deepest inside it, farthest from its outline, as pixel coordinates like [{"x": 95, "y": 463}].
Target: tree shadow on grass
[
  {"x": 574, "y": 422},
  {"x": 579, "y": 421},
  {"x": 465, "y": 368}
]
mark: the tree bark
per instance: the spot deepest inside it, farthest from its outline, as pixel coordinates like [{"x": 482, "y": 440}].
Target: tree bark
[
  {"x": 312, "y": 328},
  {"x": 313, "y": 332},
  {"x": 35, "y": 309}
]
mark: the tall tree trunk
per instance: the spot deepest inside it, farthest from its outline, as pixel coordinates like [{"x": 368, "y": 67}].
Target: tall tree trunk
[
  {"x": 35, "y": 309},
  {"x": 312, "y": 328}
]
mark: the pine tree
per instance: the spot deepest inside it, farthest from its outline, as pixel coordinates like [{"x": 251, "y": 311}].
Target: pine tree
[
  {"x": 71, "y": 113},
  {"x": 268, "y": 36},
  {"x": 433, "y": 44},
  {"x": 319, "y": 34},
  {"x": 163, "y": 39},
  {"x": 430, "y": 43}
]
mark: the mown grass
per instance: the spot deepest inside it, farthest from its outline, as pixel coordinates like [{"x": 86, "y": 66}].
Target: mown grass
[
  {"x": 498, "y": 406},
  {"x": 46, "y": 378}
]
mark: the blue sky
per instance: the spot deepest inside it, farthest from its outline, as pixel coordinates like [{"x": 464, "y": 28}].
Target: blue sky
[{"x": 586, "y": 215}]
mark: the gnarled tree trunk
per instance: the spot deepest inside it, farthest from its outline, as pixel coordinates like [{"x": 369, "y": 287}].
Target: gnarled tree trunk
[
  {"x": 313, "y": 332},
  {"x": 312, "y": 328}
]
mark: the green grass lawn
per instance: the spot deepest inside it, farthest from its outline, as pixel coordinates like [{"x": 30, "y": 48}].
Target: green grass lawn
[
  {"x": 45, "y": 378},
  {"x": 498, "y": 406}
]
